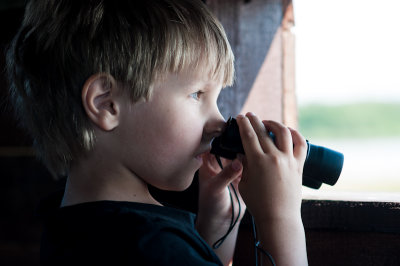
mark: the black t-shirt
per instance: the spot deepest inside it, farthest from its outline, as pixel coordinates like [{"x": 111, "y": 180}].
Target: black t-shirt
[{"x": 120, "y": 233}]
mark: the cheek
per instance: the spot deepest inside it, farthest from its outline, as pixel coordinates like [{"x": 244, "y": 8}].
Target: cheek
[
  {"x": 171, "y": 163},
  {"x": 179, "y": 136},
  {"x": 176, "y": 132},
  {"x": 163, "y": 147}
]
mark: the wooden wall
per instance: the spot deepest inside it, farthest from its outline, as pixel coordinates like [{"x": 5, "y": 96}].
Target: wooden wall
[
  {"x": 340, "y": 233},
  {"x": 264, "y": 52}
]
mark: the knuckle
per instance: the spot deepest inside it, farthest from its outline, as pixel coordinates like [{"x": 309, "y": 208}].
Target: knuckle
[
  {"x": 284, "y": 131},
  {"x": 261, "y": 131},
  {"x": 301, "y": 140},
  {"x": 258, "y": 158},
  {"x": 249, "y": 134},
  {"x": 275, "y": 159},
  {"x": 281, "y": 129}
]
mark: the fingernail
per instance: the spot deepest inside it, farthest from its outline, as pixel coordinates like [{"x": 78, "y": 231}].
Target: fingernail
[
  {"x": 251, "y": 114},
  {"x": 236, "y": 165},
  {"x": 240, "y": 116}
]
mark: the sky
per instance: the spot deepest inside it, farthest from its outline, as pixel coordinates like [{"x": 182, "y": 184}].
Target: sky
[{"x": 347, "y": 50}]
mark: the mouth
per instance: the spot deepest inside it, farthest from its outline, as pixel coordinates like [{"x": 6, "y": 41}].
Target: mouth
[{"x": 199, "y": 156}]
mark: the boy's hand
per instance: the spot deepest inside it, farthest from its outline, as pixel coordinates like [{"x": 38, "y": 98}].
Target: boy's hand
[
  {"x": 272, "y": 174},
  {"x": 214, "y": 199},
  {"x": 271, "y": 187},
  {"x": 215, "y": 208}
]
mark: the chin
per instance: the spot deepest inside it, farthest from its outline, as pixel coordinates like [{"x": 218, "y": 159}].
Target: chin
[
  {"x": 179, "y": 184},
  {"x": 175, "y": 180}
]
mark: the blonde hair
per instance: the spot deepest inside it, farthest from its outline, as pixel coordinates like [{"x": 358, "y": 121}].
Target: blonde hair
[{"x": 62, "y": 43}]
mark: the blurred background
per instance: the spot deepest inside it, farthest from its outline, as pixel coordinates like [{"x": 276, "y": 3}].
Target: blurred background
[{"x": 348, "y": 90}]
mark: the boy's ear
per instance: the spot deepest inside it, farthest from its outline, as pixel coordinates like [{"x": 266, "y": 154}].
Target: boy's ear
[{"x": 100, "y": 101}]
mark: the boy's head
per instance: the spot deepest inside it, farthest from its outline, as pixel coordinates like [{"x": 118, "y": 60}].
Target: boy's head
[{"x": 62, "y": 43}]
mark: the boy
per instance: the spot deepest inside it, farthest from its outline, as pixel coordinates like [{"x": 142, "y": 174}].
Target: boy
[{"x": 119, "y": 95}]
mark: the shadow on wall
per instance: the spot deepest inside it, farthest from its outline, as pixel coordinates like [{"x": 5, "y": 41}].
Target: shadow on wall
[{"x": 251, "y": 27}]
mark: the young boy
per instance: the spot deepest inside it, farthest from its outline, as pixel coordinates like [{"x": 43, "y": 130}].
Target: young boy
[{"x": 119, "y": 95}]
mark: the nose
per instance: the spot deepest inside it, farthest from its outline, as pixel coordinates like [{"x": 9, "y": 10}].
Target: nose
[{"x": 214, "y": 126}]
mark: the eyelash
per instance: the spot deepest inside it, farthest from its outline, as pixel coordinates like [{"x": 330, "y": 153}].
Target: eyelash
[{"x": 196, "y": 95}]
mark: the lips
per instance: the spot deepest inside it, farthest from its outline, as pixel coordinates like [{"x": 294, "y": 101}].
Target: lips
[{"x": 200, "y": 155}]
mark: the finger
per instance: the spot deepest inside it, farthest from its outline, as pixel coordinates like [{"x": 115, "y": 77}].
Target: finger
[
  {"x": 283, "y": 137},
  {"x": 299, "y": 145},
  {"x": 237, "y": 180},
  {"x": 224, "y": 162},
  {"x": 228, "y": 174},
  {"x": 265, "y": 141},
  {"x": 250, "y": 142},
  {"x": 235, "y": 184},
  {"x": 210, "y": 166},
  {"x": 212, "y": 162}
]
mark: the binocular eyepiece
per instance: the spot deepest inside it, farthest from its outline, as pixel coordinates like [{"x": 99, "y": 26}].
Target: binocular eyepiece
[{"x": 322, "y": 165}]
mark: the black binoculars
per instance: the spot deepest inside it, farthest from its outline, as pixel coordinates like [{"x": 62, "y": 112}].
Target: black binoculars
[{"x": 322, "y": 165}]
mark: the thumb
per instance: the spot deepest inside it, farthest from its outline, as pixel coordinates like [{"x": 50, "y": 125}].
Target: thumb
[
  {"x": 210, "y": 167},
  {"x": 230, "y": 172}
]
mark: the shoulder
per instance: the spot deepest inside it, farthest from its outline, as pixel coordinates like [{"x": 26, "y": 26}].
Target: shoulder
[
  {"x": 153, "y": 235},
  {"x": 167, "y": 237}
]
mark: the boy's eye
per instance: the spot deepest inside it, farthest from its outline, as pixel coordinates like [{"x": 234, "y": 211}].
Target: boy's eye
[{"x": 196, "y": 95}]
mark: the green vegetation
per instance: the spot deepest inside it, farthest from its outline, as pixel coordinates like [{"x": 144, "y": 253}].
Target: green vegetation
[{"x": 359, "y": 120}]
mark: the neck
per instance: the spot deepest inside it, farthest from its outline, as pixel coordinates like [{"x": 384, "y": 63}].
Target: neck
[{"x": 95, "y": 179}]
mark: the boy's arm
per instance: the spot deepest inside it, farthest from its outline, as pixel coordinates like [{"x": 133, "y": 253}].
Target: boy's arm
[
  {"x": 271, "y": 187},
  {"x": 215, "y": 208},
  {"x": 212, "y": 233}
]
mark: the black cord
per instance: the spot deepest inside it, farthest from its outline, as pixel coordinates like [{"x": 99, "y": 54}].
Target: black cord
[
  {"x": 234, "y": 221},
  {"x": 255, "y": 239},
  {"x": 257, "y": 246}
]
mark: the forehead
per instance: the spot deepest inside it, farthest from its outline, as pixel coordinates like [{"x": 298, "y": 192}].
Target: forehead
[{"x": 190, "y": 79}]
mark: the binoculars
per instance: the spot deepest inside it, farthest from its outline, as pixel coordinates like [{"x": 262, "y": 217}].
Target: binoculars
[{"x": 322, "y": 165}]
